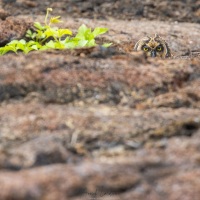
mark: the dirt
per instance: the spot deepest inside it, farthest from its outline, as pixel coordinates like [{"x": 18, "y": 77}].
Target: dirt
[{"x": 101, "y": 123}]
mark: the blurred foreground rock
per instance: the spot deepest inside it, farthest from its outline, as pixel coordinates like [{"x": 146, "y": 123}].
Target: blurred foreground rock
[{"x": 101, "y": 123}]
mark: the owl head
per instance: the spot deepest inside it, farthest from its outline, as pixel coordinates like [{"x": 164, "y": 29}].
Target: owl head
[{"x": 153, "y": 47}]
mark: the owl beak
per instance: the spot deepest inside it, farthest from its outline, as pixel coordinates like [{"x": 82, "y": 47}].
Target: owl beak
[{"x": 153, "y": 53}]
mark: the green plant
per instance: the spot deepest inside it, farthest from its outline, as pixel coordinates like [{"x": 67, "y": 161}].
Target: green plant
[{"x": 50, "y": 37}]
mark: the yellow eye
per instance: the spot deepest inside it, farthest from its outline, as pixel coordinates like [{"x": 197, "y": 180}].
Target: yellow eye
[
  {"x": 159, "y": 48},
  {"x": 146, "y": 48}
]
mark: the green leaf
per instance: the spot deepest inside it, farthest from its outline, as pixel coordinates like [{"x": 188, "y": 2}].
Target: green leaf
[
  {"x": 82, "y": 43},
  {"x": 2, "y": 52},
  {"x": 29, "y": 33},
  {"x": 50, "y": 44},
  {"x": 107, "y": 44},
  {"x": 50, "y": 32},
  {"x": 27, "y": 50},
  {"x": 34, "y": 47},
  {"x": 30, "y": 43},
  {"x": 59, "y": 45},
  {"x": 71, "y": 44},
  {"x": 82, "y": 29},
  {"x": 62, "y": 32},
  {"x": 91, "y": 43},
  {"x": 9, "y": 48},
  {"x": 39, "y": 26},
  {"x": 43, "y": 48},
  {"x": 40, "y": 35},
  {"x": 22, "y": 41},
  {"x": 55, "y": 20},
  {"x": 84, "y": 33},
  {"x": 98, "y": 31},
  {"x": 13, "y": 42}
]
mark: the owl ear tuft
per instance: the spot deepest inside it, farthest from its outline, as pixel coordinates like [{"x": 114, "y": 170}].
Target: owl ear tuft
[
  {"x": 136, "y": 46},
  {"x": 157, "y": 36}
]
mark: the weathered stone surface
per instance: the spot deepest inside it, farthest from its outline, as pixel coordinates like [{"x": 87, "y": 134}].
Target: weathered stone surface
[
  {"x": 13, "y": 28},
  {"x": 184, "y": 11},
  {"x": 101, "y": 123},
  {"x": 3, "y": 14}
]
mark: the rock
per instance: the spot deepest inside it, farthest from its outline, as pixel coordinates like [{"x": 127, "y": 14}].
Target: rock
[
  {"x": 3, "y": 14},
  {"x": 13, "y": 28},
  {"x": 66, "y": 182},
  {"x": 101, "y": 123}
]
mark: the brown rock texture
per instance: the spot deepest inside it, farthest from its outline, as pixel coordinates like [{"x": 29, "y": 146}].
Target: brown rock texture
[
  {"x": 100, "y": 123},
  {"x": 13, "y": 28}
]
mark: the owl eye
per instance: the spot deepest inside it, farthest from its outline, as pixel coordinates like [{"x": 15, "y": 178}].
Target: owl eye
[
  {"x": 159, "y": 48},
  {"x": 145, "y": 48}
]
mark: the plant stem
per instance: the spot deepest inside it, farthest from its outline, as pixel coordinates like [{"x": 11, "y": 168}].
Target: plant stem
[{"x": 47, "y": 13}]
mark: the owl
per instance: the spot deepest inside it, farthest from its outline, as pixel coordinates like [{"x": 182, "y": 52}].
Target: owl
[{"x": 153, "y": 47}]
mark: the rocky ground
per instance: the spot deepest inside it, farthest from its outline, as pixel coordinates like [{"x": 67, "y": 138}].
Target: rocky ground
[{"x": 101, "y": 123}]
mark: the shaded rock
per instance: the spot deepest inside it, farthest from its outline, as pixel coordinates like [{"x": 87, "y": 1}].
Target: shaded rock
[
  {"x": 13, "y": 28},
  {"x": 101, "y": 123},
  {"x": 75, "y": 181},
  {"x": 4, "y": 14},
  {"x": 36, "y": 152},
  {"x": 129, "y": 10},
  {"x": 121, "y": 79}
]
